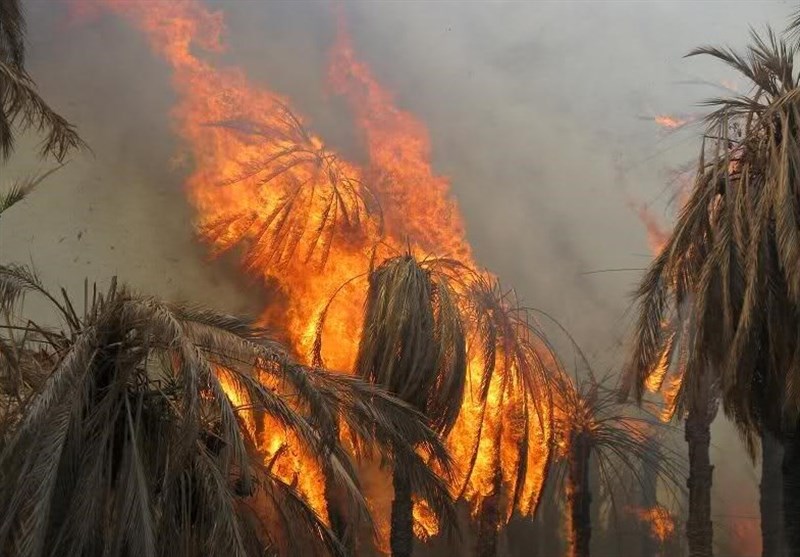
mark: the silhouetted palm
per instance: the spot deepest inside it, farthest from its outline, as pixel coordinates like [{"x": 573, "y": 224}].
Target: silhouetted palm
[
  {"x": 141, "y": 436},
  {"x": 720, "y": 302},
  {"x": 590, "y": 423}
]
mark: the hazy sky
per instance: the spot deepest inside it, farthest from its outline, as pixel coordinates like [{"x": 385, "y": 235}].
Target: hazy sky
[{"x": 539, "y": 112}]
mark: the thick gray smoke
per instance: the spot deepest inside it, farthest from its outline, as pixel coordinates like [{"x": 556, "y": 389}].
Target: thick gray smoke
[{"x": 540, "y": 113}]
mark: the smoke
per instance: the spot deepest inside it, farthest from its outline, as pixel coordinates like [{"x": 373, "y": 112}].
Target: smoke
[{"x": 538, "y": 112}]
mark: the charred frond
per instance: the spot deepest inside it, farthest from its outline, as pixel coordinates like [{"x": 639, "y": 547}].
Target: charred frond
[
  {"x": 721, "y": 300},
  {"x": 309, "y": 197}
]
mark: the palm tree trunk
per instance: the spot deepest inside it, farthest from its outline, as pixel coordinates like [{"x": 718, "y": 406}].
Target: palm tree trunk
[
  {"x": 772, "y": 537},
  {"x": 579, "y": 496},
  {"x": 489, "y": 517},
  {"x": 699, "y": 529},
  {"x": 401, "y": 538},
  {"x": 791, "y": 493}
]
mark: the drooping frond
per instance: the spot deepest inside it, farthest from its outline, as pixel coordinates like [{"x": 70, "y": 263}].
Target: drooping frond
[
  {"x": 722, "y": 298},
  {"x": 21, "y": 109},
  {"x": 621, "y": 438},
  {"x": 12, "y": 33},
  {"x": 147, "y": 434},
  {"x": 413, "y": 341},
  {"x": 511, "y": 357},
  {"x": 419, "y": 315},
  {"x": 309, "y": 197}
]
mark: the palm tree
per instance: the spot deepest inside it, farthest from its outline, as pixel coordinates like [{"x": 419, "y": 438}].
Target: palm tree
[
  {"x": 720, "y": 302},
  {"x": 420, "y": 317},
  {"x": 512, "y": 396},
  {"x": 21, "y": 107},
  {"x": 591, "y": 423},
  {"x": 413, "y": 344},
  {"x": 141, "y": 438}
]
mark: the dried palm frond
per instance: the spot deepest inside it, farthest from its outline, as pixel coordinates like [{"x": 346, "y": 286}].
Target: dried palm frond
[
  {"x": 423, "y": 321},
  {"x": 309, "y": 197},
  {"x": 510, "y": 349},
  {"x": 20, "y": 190},
  {"x": 133, "y": 442},
  {"x": 722, "y": 298},
  {"x": 413, "y": 341},
  {"x": 12, "y": 33},
  {"x": 21, "y": 109}
]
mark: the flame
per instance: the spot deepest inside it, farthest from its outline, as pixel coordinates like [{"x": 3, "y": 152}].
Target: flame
[
  {"x": 670, "y": 122},
  {"x": 662, "y": 525},
  {"x": 308, "y": 218},
  {"x": 657, "y": 234}
]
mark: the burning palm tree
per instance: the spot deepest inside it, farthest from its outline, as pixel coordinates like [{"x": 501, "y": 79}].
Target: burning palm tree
[
  {"x": 591, "y": 423},
  {"x": 720, "y": 302},
  {"x": 449, "y": 341},
  {"x": 142, "y": 434},
  {"x": 413, "y": 344}
]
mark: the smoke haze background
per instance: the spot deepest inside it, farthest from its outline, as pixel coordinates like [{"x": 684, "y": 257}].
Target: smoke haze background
[{"x": 540, "y": 113}]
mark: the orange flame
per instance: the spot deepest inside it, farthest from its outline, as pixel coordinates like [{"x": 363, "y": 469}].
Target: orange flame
[
  {"x": 260, "y": 178},
  {"x": 662, "y": 525},
  {"x": 670, "y": 122},
  {"x": 657, "y": 235}
]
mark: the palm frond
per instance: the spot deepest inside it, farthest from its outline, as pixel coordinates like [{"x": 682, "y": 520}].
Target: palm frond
[
  {"x": 12, "y": 33},
  {"x": 21, "y": 189},
  {"x": 309, "y": 197},
  {"x": 21, "y": 109},
  {"x": 413, "y": 341}
]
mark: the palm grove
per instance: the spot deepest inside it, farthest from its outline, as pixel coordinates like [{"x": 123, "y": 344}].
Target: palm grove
[{"x": 130, "y": 425}]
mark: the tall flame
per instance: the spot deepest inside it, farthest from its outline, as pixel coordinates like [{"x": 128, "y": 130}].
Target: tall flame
[{"x": 310, "y": 221}]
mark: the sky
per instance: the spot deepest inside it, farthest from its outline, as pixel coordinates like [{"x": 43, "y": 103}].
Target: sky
[{"x": 541, "y": 114}]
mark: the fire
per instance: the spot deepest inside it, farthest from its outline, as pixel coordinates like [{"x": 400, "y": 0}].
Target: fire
[
  {"x": 670, "y": 122},
  {"x": 657, "y": 235},
  {"x": 662, "y": 525},
  {"x": 311, "y": 220}
]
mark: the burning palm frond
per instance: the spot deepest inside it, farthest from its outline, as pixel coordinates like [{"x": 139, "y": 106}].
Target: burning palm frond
[
  {"x": 435, "y": 327},
  {"x": 143, "y": 433},
  {"x": 310, "y": 197},
  {"x": 513, "y": 357}
]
